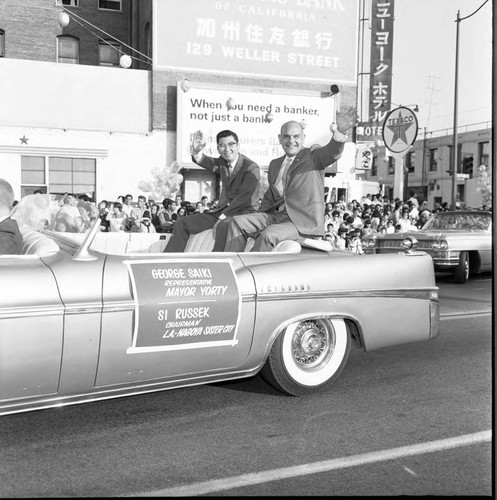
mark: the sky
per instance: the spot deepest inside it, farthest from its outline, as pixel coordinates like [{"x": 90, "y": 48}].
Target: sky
[{"x": 424, "y": 52}]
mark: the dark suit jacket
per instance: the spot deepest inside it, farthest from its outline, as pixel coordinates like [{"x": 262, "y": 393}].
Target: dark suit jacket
[
  {"x": 239, "y": 194},
  {"x": 304, "y": 191},
  {"x": 10, "y": 237}
]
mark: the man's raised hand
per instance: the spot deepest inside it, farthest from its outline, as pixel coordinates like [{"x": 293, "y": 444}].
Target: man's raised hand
[
  {"x": 198, "y": 142},
  {"x": 346, "y": 119}
]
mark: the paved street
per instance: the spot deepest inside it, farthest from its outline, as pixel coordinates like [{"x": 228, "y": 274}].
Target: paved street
[{"x": 406, "y": 420}]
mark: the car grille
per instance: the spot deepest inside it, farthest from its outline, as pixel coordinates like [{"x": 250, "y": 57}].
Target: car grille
[
  {"x": 394, "y": 244},
  {"x": 389, "y": 243},
  {"x": 383, "y": 246}
]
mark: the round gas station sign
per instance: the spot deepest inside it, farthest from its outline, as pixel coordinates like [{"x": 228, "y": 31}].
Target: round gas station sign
[{"x": 400, "y": 129}]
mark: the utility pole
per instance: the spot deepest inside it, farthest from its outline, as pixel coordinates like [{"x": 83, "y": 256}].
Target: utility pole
[
  {"x": 431, "y": 88},
  {"x": 423, "y": 165},
  {"x": 454, "y": 155},
  {"x": 455, "y": 152}
]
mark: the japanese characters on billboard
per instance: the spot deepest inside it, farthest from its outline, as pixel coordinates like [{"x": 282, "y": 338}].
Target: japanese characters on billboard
[
  {"x": 380, "y": 86},
  {"x": 254, "y": 114},
  {"x": 306, "y": 40}
]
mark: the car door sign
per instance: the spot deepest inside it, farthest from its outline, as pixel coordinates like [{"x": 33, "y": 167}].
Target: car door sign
[{"x": 183, "y": 304}]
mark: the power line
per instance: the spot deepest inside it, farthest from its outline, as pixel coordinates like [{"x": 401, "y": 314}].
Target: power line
[{"x": 76, "y": 17}]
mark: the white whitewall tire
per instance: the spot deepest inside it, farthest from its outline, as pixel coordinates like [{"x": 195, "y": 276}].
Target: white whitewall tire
[{"x": 308, "y": 356}]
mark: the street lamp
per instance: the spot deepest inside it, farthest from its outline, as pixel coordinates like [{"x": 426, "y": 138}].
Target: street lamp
[{"x": 455, "y": 155}]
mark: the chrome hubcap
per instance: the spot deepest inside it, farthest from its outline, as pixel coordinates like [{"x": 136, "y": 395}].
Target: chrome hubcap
[{"x": 312, "y": 344}]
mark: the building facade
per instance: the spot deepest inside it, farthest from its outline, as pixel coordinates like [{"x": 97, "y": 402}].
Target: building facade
[
  {"x": 427, "y": 166},
  {"x": 76, "y": 117}
]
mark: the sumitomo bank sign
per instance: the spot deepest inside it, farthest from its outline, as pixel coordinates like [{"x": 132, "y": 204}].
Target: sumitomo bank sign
[{"x": 299, "y": 40}]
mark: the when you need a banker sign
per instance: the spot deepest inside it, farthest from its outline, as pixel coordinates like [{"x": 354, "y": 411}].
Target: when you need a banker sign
[
  {"x": 300, "y": 40},
  {"x": 254, "y": 114},
  {"x": 183, "y": 304}
]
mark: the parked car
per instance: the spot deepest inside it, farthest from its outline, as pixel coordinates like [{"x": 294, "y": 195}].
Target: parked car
[
  {"x": 459, "y": 241},
  {"x": 80, "y": 325}
]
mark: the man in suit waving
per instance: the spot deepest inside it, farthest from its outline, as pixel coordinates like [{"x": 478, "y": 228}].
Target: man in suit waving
[
  {"x": 239, "y": 191},
  {"x": 293, "y": 205}
]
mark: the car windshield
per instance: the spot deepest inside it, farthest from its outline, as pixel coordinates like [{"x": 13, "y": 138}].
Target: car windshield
[
  {"x": 59, "y": 213},
  {"x": 463, "y": 221}
]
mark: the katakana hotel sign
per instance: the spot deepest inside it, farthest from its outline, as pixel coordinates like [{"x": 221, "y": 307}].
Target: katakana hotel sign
[
  {"x": 380, "y": 82},
  {"x": 300, "y": 40}
]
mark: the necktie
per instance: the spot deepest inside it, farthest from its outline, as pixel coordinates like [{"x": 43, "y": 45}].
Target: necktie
[
  {"x": 230, "y": 169},
  {"x": 281, "y": 174}
]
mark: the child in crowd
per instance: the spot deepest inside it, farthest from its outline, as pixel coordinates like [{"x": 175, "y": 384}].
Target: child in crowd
[
  {"x": 355, "y": 242},
  {"x": 342, "y": 242},
  {"x": 146, "y": 225}
]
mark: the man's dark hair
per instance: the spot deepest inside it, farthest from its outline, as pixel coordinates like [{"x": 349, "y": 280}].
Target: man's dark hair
[
  {"x": 167, "y": 202},
  {"x": 226, "y": 133}
]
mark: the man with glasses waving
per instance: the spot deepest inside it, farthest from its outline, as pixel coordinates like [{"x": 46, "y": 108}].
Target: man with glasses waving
[{"x": 239, "y": 191}]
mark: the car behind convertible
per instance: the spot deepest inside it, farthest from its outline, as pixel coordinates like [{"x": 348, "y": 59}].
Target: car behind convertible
[
  {"x": 85, "y": 317},
  {"x": 458, "y": 241}
]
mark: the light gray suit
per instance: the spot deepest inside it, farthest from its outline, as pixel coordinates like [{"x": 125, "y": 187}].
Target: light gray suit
[{"x": 303, "y": 199}]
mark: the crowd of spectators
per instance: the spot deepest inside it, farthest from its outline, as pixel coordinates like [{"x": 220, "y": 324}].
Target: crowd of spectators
[
  {"x": 345, "y": 224},
  {"x": 146, "y": 216}
]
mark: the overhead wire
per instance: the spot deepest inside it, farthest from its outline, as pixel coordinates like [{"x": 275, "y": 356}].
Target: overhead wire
[{"x": 75, "y": 18}]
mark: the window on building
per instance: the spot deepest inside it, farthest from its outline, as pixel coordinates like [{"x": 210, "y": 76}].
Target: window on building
[
  {"x": 72, "y": 175},
  {"x": 67, "y": 49},
  {"x": 483, "y": 153},
  {"x": 71, "y": 3},
  {"x": 467, "y": 165},
  {"x": 2, "y": 43},
  {"x": 410, "y": 161},
  {"x": 374, "y": 167},
  {"x": 391, "y": 165},
  {"x": 109, "y": 53},
  {"x": 33, "y": 175},
  {"x": 57, "y": 175},
  {"x": 432, "y": 160},
  {"x": 110, "y": 4}
]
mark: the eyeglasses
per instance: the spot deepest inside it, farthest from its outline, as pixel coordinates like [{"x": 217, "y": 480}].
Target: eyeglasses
[{"x": 229, "y": 145}]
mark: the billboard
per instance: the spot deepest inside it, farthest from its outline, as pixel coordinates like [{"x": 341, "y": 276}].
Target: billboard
[
  {"x": 254, "y": 114},
  {"x": 300, "y": 40}
]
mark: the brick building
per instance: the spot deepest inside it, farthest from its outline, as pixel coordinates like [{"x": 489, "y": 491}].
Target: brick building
[{"x": 68, "y": 97}]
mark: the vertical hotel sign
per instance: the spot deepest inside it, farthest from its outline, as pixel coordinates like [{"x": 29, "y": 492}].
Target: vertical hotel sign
[{"x": 380, "y": 87}]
